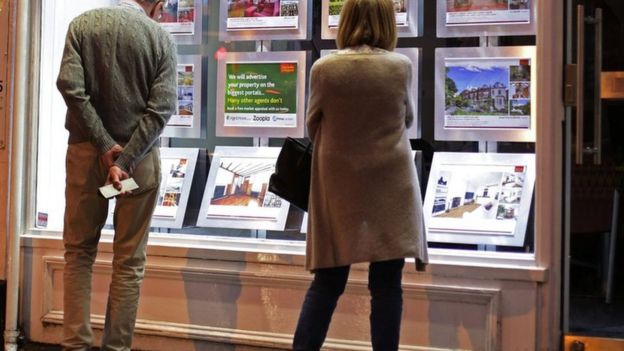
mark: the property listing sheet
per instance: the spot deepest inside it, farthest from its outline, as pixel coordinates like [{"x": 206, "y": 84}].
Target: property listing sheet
[
  {"x": 186, "y": 97},
  {"x": 488, "y": 93},
  {"x": 178, "y": 17},
  {"x": 262, "y": 14},
  {"x": 173, "y": 171},
  {"x": 479, "y": 12},
  {"x": 261, "y": 95},
  {"x": 335, "y": 6}
]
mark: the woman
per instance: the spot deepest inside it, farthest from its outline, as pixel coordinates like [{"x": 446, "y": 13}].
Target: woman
[{"x": 365, "y": 203}]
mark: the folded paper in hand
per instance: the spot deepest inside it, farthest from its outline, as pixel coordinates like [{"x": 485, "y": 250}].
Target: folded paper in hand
[{"x": 109, "y": 190}]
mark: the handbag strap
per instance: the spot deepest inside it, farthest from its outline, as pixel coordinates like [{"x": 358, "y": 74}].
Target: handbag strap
[{"x": 307, "y": 151}]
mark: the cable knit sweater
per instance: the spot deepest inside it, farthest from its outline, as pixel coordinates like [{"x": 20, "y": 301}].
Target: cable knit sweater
[{"x": 118, "y": 79}]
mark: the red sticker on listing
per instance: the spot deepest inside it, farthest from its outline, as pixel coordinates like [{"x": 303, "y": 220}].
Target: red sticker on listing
[
  {"x": 42, "y": 220},
  {"x": 288, "y": 67}
]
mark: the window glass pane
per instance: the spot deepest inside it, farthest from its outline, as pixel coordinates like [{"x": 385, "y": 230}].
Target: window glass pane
[{"x": 52, "y": 141}]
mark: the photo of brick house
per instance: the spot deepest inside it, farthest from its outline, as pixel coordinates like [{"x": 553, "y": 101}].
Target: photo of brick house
[{"x": 487, "y": 98}]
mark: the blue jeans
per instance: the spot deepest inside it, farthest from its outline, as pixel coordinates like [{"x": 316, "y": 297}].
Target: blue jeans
[{"x": 384, "y": 284}]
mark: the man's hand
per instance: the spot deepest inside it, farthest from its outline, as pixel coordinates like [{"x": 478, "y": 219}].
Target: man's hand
[
  {"x": 115, "y": 176},
  {"x": 108, "y": 159}
]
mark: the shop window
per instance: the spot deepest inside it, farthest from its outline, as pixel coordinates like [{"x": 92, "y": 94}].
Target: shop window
[{"x": 219, "y": 177}]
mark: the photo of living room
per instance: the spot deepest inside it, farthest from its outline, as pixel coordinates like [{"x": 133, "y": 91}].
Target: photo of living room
[
  {"x": 478, "y": 198},
  {"x": 469, "y": 194},
  {"x": 236, "y": 193},
  {"x": 185, "y": 108},
  {"x": 244, "y": 183}
]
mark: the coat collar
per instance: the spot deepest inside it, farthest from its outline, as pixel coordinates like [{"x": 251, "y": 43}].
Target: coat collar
[{"x": 362, "y": 49}]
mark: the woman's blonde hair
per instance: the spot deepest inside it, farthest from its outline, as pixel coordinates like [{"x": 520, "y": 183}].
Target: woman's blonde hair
[{"x": 370, "y": 22}]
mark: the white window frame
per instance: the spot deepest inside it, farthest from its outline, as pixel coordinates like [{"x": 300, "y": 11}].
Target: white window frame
[{"x": 538, "y": 261}]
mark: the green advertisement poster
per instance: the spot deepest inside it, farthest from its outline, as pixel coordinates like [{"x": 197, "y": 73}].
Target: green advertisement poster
[{"x": 261, "y": 94}]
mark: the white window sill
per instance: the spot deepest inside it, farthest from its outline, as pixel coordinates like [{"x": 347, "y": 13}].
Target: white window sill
[{"x": 443, "y": 262}]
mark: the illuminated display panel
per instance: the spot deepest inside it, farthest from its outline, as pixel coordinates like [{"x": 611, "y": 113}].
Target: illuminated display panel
[
  {"x": 485, "y": 94},
  {"x": 177, "y": 166},
  {"x": 183, "y": 19},
  {"x": 462, "y": 18},
  {"x": 263, "y": 19},
  {"x": 479, "y": 198},
  {"x": 408, "y": 17},
  {"x": 236, "y": 193},
  {"x": 261, "y": 94},
  {"x": 186, "y": 120}
]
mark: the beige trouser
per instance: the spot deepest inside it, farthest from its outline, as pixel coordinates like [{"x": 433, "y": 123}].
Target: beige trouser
[{"x": 85, "y": 215}]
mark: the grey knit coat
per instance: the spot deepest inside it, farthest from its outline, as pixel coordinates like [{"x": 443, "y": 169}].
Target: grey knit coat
[{"x": 365, "y": 202}]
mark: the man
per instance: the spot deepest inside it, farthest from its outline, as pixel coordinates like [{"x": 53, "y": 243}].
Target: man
[{"x": 118, "y": 79}]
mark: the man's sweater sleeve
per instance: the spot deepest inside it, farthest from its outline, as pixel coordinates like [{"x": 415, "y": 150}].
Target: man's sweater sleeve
[
  {"x": 160, "y": 106},
  {"x": 71, "y": 84}
]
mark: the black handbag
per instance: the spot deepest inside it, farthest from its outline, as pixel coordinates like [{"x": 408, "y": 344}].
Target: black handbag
[{"x": 291, "y": 180}]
